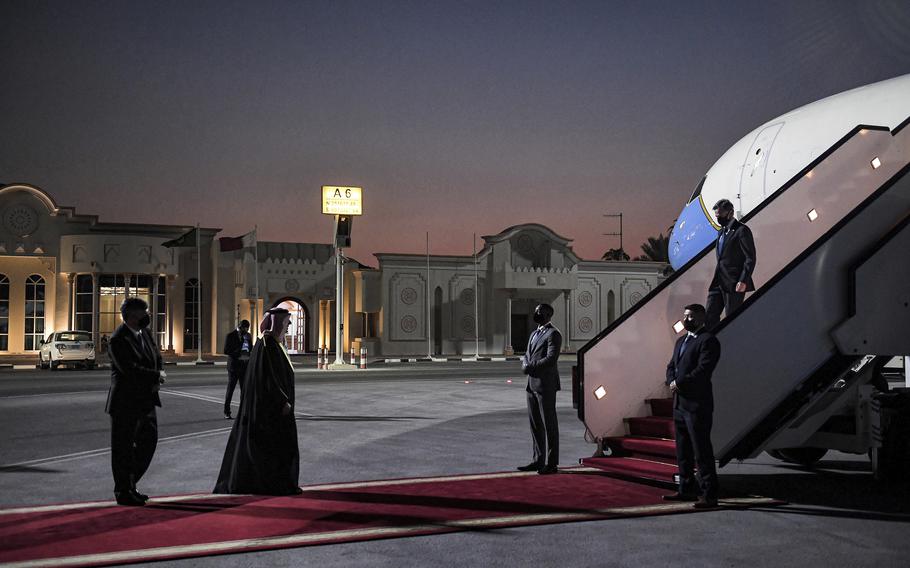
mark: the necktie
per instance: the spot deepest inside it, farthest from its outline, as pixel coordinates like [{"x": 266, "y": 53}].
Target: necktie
[
  {"x": 720, "y": 242},
  {"x": 143, "y": 345},
  {"x": 533, "y": 338},
  {"x": 682, "y": 348}
]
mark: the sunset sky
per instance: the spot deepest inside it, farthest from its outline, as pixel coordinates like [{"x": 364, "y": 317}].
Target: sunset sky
[{"x": 455, "y": 117}]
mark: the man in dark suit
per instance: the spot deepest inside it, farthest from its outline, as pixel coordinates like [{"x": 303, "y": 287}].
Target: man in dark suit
[
  {"x": 539, "y": 363},
  {"x": 136, "y": 374},
  {"x": 689, "y": 377},
  {"x": 735, "y": 263},
  {"x": 237, "y": 346}
]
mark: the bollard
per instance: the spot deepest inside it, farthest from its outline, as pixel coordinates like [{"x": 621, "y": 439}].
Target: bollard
[
  {"x": 320, "y": 362},
  {"x": 363, "y": 357},
  {"x": 353, "y": 355}
]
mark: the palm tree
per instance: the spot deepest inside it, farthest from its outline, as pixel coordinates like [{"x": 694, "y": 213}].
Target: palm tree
[
  {"x": 615, "y": 254},
  {"x": 656, "y": 249}
]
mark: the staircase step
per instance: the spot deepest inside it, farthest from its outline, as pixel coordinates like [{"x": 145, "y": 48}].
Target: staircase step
[
  {"x": 652, "y": 427},
  {"x": 661, "y": 406},
  {"x": 646, "y": 448},
  {"x": 634, "y": 468}
]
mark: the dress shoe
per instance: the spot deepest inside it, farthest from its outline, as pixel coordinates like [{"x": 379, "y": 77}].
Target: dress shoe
[
  {"x": 705, "y": 503},
  {"x": 138, "y": 495},
  {"x": 128, "y": 499},
  {"x": 679, "y": 497},
  {"x": 549, "y": 470},
  {"x": 530, "y": 467},
  {"x": 227, "y": 416}
]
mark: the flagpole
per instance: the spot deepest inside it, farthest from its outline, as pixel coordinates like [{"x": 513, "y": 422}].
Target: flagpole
[
  {"x": 198, "y": 295},
  {"x": 256, "y": 318},
  {"x": 476, "y": 303},
  {"x": 429, "y": 326}
]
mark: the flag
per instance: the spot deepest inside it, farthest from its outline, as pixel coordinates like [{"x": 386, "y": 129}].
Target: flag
[
  {"x": 228, "y": 244},
  {"x": 185, "y": 240}
]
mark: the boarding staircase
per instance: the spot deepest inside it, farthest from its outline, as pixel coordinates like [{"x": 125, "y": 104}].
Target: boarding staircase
[{"x": 832, "y": 288}]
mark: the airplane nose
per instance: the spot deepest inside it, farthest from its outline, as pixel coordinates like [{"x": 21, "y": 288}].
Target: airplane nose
[{"x": 692, "y": 233}]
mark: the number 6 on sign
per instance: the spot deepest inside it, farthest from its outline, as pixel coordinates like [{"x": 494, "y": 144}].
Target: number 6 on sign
[{"x": 342, "y": 200}]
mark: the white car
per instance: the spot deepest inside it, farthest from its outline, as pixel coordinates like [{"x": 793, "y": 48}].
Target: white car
[{"x": 67, "y": 347}]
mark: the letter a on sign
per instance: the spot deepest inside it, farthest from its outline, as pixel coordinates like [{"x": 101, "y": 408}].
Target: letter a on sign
[{"x": 342, "y": 200}]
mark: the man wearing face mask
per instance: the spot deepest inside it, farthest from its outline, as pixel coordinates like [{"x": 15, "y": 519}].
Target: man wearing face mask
[
  {"x": 735, "y": 251},
  {"x": 136, "y": 375},
  {"x": 689, "y": 377},
  {"x": 539, "y": 364},
  {"x": 237, "y": 346}
]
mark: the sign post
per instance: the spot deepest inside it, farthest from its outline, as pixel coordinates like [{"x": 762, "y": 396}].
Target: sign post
[{"x": 343, "y": 203}]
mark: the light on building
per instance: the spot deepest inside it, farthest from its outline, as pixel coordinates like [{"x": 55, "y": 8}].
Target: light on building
[
  {"x": 876, "y": 163},
  {"x": 600, "y": 392},
  {"x": 812, "y": 215},
  {"x": 678, "y": 326}
]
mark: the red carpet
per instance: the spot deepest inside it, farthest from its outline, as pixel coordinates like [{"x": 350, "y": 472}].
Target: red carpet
[
  {"x": 648, "y": 451},
  {"x": 83, "y": 534}
]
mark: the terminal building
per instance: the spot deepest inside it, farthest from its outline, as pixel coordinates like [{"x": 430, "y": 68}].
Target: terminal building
[{"x": 61, "y": 270}]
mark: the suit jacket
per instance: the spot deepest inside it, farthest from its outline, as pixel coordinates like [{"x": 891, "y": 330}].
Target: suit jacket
[
  {"x": 134, "y": 371},
  {"x": 736, "y": 260},
  {"x": 692, "y": 372},
  {"x": 540, "y": 360},
  {"x": 233, "y": 343}
]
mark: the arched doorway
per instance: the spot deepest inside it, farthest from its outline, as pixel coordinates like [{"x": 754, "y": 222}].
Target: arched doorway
[{"x": 298, "y": 336}]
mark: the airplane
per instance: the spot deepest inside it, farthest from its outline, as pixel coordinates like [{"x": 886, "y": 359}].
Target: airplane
[{"x": 769, "y": 156}]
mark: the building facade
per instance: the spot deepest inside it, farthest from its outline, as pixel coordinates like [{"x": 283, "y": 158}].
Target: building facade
[{"x": 60, "y": 270}]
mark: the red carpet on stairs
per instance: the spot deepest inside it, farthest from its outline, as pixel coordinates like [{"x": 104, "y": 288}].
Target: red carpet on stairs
[
  {"x": 648, "y": 451},
  {"x": 102, "y": 533}
]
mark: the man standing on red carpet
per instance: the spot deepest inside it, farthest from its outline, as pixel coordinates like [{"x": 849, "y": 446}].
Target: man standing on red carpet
[
  {"x": 689, "y": 377},
  {"x": 539, "y": 364},
  {"x": 136, "y": 375}
]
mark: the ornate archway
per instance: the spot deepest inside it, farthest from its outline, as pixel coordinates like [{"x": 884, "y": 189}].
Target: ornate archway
[{"x": 297, "y": 339}]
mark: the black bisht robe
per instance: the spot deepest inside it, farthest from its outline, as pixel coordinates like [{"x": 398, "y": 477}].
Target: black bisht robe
[{"x": 262, "y": 456}]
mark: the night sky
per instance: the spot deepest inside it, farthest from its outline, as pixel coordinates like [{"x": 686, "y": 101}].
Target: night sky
[{"x": 455, "y": 117}]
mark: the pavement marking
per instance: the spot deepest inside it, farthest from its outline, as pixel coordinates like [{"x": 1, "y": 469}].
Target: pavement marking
[
  {"x": 102, "y": 451},
  {"x": 51, "y": 394},
  {"x": 208, "y": 398},
  {"x": 370, "y": 533}
]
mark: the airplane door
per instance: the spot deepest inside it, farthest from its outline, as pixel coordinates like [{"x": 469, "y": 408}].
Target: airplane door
[{"x": 752, "y": 190}]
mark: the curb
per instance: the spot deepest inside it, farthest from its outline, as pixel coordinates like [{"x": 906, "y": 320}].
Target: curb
[
  {"x": 105, "y": 366},
  {"x": 445, "y": 359}
]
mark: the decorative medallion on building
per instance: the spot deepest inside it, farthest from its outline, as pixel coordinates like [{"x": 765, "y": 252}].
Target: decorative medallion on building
[
  {"x": 467, "y": 325},
  {"x": 585, "y": 325},
  {"x": 409, "y": 324},
  {"x": 467, "y": 297},
  {"x": 20, "y": 220},
  {"x": 585, "y": 299},
  {"x": 524, "y": 243},
  {"x": 291, "y": 285},
  {"x": 408, "y": 296},
  {"x": 635, "y": 297}
]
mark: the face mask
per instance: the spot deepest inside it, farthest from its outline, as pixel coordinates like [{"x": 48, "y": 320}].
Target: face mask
[
  {"x": 691, "y": 325},
  {"x": 539, "y": 319},
  {"x": 145, "y": 321}
]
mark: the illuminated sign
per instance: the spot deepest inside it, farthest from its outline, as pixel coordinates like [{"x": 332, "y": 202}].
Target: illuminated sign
[{"x": 342, "y": 200}]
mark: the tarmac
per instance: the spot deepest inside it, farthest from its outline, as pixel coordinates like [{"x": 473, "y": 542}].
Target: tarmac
[{"x": 394, "y": 421}]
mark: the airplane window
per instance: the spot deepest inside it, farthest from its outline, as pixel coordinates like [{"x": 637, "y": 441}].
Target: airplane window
[{"x": 697, "y": 191}]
